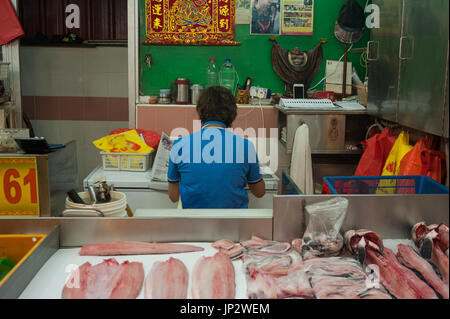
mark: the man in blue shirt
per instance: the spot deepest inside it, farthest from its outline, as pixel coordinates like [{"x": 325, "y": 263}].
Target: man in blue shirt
[{"x": 211, "y": 168}]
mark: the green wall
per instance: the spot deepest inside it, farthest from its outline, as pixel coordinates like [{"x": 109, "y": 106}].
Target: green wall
[{"x": 252, "y": 58}]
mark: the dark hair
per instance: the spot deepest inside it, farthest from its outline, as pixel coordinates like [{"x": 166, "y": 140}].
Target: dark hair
[{"x": 217, "y": 103}]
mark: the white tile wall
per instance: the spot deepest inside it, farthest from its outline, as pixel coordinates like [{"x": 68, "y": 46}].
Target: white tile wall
[
  {"x": 84, "y": 133},
  {"x": 90, "y": 72}
]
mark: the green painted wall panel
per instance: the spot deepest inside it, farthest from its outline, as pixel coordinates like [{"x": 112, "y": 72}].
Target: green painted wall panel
[{"x": 251, "y": 58}]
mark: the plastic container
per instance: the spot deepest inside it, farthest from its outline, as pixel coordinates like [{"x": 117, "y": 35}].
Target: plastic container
[
  {"x": 16, "y": 248},
  {"x": 7, "y": 143},
  {"x": 414, "y": 184},
  {"x": 127, "y": 161},
  {"x": 228, "y": 76},
  {"x": 115, "y": 208},
  {"x": 212, "y": 74}
]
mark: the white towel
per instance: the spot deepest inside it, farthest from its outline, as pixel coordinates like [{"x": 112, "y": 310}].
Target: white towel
[{"x": 301, "y": 162}]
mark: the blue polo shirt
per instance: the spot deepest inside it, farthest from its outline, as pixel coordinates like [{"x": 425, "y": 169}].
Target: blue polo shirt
[{"x": 213, "y": 166}]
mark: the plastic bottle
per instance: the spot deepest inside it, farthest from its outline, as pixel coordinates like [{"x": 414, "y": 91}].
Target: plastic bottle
[
  {"x": 228, "y": 76},
  {"x": 212, "y": 74}
]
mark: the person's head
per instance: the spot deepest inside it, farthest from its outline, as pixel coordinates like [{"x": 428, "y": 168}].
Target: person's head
[{"x": 217, "y": 103}]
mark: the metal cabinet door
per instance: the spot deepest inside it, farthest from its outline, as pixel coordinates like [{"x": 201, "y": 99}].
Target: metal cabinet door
[
  {"x": 423, "y": 56},
  {"x": 383, "y": 66}
]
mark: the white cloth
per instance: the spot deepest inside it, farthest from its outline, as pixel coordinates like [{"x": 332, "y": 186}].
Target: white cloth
[{"x": 301, "y": 162}]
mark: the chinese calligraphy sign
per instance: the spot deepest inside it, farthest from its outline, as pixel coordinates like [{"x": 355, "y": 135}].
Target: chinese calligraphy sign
[{"x": 190, "y": 22}]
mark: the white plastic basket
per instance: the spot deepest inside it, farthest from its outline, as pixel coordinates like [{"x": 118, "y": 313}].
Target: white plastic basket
[
  {"x": 4, "y": 70},
  {"x": 127, "y": 161}
]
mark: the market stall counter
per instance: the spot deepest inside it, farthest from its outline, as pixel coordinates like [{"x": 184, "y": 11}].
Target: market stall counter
[{"x": 267, "y": 252}]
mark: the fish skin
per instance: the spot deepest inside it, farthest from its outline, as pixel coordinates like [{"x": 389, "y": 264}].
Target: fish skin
[
  {"x": 334, "y": 267},
  {"x": 421, "y": 288},
  {"x": 213, "y": 278},
  {"x": 255, "y": 242},
  {"x": 223, "y": 243},
  {"x": 411, "y": 259},
  {"x": 135, "y": 248},
  {"x": 276, "y": 264},
  {"x": 107, "y": 280},
  {"x": 443, "y": 232},
  {"x": 391, "y": 279},
  {"x": 326, "y": 287},
  {"x": 167, "y": 280},
  {"x": 440, "y": 260},
  {"x": 297, "y": 244},
  {"x": 264, "y": 285},
  {"x": 229, "y": 248}
]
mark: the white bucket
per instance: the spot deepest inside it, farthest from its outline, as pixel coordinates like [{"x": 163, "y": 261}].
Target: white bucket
[{"x": 115, "y": 208}]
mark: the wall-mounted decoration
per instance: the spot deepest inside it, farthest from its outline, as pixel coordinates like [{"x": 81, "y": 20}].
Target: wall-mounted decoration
[
  {"x": 265, "y": 17},
  {"x": 297, "y": 17},
  {"x": 296, "y": 66},
  {"x": 190, "y": 22}
]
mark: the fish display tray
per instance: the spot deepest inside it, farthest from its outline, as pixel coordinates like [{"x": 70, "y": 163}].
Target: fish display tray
[
  {"x": 50, "y": 280},
  {"x": 18, "y": 248}
]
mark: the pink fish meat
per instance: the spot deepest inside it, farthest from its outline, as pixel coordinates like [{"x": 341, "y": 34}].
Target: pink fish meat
[
  {"x": 213, "y": 278},
  {"x": 262, "y": 285},
  {"x": 297, "y": 244},
  {"x": 223, "y": 243},
  {"x": 440, "y": 260},
  {"x": 107, "y": 280},
  {"x": 255, "y": 242},
  {"x": 415, "y": 282},
  {"x": 408, "y": 257},
  {"x": 232, "y": 250},
  {"x": 167, "y": 280},
  {"x": 135, "y": 248},
  {"x": 390, "y": 277}
]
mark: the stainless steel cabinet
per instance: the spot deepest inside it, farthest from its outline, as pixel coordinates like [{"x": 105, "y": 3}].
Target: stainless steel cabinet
[
  {"x": 383, "y": 71},
  {"x": 408, "y": 65}
]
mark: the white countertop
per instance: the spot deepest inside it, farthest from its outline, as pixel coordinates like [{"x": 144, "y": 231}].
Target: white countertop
[
  {"x": 204, "y": 213},
  {"x": 50, "y": 280},
  {"x": 128, "y": 179}
]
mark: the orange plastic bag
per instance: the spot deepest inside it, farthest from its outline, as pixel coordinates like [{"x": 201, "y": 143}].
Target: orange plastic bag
[
  {"x": 376, "y": 151},
  {"x": 433, "y": 165},
  {"x": 423, "y": 160},
  {"x": 411, "y": 163}
]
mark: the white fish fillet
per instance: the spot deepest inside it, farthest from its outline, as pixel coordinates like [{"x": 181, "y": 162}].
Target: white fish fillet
[
  {"x": 213, "y": 278},
  {"x": 107, "y": 280},
  {"x": 135, "y": 248},
  {"x": 167, "y": 280}
]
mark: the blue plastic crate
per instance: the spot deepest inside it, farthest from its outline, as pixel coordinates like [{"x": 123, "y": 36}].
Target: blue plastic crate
[{"x": 384, "y": 185}]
